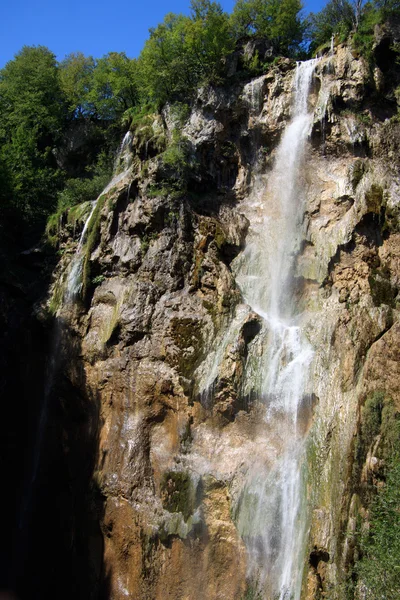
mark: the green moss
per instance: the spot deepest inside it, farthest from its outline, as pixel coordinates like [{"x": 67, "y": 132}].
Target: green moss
[
  {"x": 145, "y": 241},
  {"x": 78, "y": 213},
  {"x": 180, "y": 112},
  {"x": 111, "y": 325},
  {"x": 53, "y": 226},
  {"x": 252, "y": 593},
  {"x": 98, "y": 279},
  {"x": 228, "y": 149},
  {"x": 197, "y": 271},
  {"x": 188, "y": 337},
  {"x": 322, "y": 49},
  {"x": 374, "y": 198},
  {"x": 357, "y": 171},
  {"x": 138, "y": 116},
  {"x": 378, "y": 568},
  {"x": 363, "y": 39},
  {"x": 154, "y": 190},
  {"x": 56, "y": 298},
  {"x": 370, "y": 423},
  {"x": 219, "y": 236},
  {"x": 177, "y": 493},
  {"x": 92, "y": 240},
  {"x": 72, "y": 215}
]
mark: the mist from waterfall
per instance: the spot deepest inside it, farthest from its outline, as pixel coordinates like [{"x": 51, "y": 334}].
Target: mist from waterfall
[{"x": 271, "y": 512}]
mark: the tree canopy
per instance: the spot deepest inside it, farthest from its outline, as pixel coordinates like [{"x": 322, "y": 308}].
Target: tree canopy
[
  {"x": 33, "y": 109},
  {"x": 280, "y": 22}
]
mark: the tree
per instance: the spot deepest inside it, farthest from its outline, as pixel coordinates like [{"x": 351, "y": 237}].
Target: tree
[
  {"x": 184, "y": 52},
  {"x": 163, "y": 63},
  {"x": 279, "y": 21},
  {"x": 33, "y": 112},
  {"x": 76, "y": 81},
  {"x": 209, "y": 39},
  {"x": 388, "y": 8},
  {"x": 114, "y": 85},
  {"x": 337, "y": 17}
]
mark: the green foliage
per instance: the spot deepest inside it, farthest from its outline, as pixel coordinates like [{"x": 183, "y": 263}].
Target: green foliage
[
  {"x": 377, "y": 572},
  {"x": 138, "y": 116},
  {"x": 280, "y": 22},
  {"x": 115, "y": 86},
  {"x": 176, "y": 158},
  {"x": 32, "y": 113},
  {"x": 387, "y": 8},
  {"x": 355, "y": 20},
  {"x": 209, "y": 40},
  {"x": 76, "y": 81},
  {"x": 363, "y": 38},
  {"x": 71, "y": 200},
  {"x": 185, "y": 52},
  {"x": 102, "y": 88},
  {"x": 379, "y": 568},
  {"x": 98, "y": 279},
  {"x": 370, "y": 423},
  {"x": 180, "y": 112},
  {"x": 336, "y": 18},
  {"x": 177, "y": 164},
  {"x": 92, "y": 240},
  {"x": 145, "y": 241},
  {"x": 87, "y": 188},
  {"x": 252, "y": 594},
  {"x": 163, "y": 63}
]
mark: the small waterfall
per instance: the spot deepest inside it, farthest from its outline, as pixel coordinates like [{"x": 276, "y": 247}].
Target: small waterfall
[
  {"x": 74, "y": 283},
  {"x": 74, "y": 279},
  {"x": 271, "y": 512}
]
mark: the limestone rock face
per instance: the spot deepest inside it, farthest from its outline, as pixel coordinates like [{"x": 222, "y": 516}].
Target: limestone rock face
[{"x": 162, "y": 338}]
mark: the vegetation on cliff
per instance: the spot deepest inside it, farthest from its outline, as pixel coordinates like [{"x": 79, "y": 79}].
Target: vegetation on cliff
[
  {"x": 61, "y": 122},
  {"x": 376, "y": 475}
]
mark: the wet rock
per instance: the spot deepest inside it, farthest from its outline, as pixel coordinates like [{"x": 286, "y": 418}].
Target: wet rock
[{"x": 165, "y": 336}]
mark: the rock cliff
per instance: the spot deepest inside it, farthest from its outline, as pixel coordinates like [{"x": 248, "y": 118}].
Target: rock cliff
[{"x": 150, "y": 410}]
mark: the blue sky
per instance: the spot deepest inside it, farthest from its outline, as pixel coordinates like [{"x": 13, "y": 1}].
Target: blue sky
[{"x": 91, "y": 27}]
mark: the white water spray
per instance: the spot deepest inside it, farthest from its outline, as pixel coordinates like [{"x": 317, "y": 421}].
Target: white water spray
[{"x": 271, "y": 513}]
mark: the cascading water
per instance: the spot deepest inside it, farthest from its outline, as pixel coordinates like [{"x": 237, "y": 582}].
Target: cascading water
[
  {"x": 124, "y": 160},
  {"x": 271, "y": 515}
]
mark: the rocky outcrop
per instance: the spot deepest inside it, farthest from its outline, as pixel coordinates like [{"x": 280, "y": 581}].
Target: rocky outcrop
[{"x": 157, "y": 348}]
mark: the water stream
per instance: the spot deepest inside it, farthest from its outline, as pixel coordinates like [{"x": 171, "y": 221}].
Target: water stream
[
  {"x": 123, "y": 161},
  {"x": 271, "y": 514}
]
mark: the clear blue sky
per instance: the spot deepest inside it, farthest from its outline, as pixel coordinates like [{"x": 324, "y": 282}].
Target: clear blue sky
[{"x": 89, "y": 26}]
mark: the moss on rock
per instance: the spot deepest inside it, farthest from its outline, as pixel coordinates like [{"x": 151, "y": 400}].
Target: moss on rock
[{"x": 177, "y": 493}]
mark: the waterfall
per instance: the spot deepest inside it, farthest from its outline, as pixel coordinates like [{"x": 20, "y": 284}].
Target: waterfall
[
  {"x": 271, "y": 512},
  {"x": 74, "y": 279}
]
